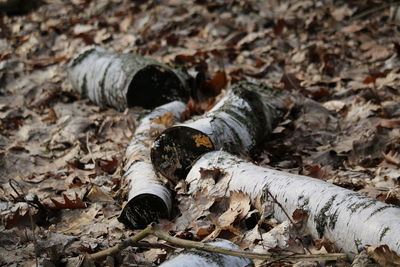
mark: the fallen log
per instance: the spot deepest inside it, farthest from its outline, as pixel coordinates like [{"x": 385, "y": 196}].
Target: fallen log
[
  {"x": 148, "y": 197},
  {"x": 126, "y": 80},
  {"x": 350, "y": 220},
  {"x": 239, "y": 121},
  {"x": 195, "y": 257}
]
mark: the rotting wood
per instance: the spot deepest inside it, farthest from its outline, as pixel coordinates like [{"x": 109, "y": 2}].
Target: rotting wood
[
  {"x": 126, "y": 80},
  {"x": 241, "y": 119},
  {"x": 194, "y": 257},
  {"x": 348, "y": 219},
  {"x": 148, "y": 197}
]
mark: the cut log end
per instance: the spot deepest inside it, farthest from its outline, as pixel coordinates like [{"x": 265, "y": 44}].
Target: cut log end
[
  {"x": 142, "y": 210},
  {"x": 175, "y": 150},
  {"x": 160, "y": 86}
]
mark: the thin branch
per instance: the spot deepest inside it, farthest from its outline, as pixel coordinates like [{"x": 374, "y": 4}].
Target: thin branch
[
  {"x": 151, "y": 229},
  {"x": 124, "y": 244}
]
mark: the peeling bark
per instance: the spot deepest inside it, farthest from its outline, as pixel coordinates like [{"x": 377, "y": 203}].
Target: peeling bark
[
  {"x": 193, "y": 257},
  {"x": 148, "y": 197},
  {"x": 239, "y": 121},
  {"x": 126, "y": 80},
  {"x": 348, "y": 219}
]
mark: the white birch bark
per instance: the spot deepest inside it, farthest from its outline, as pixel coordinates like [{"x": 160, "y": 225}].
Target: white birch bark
[
  {"x": 148, "y": 197},
  {"x": 125, "y": 80},
  {"x": 241, "y": 119},
  {"x": 198, "y": 258},
  {"x": 348, "y": 219}
]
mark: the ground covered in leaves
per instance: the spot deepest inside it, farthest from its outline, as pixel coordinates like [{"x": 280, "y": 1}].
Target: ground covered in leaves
[{"x": 61, "y": 157}]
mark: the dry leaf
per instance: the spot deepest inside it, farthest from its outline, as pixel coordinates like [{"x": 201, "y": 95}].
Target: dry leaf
[
  {"x": 390, "y": 123},
  {"x": 77, "y": 203},
  {"x": 98, "y": 195},
  {"x": 384, "y": 256},
  {"x": 215, "y": 173},
  {"x": 300, "y": 217},
  {"x": 326, "y": 243},
  {"x": 108, "y": 166},
  {"x": 167, "y": 119}
]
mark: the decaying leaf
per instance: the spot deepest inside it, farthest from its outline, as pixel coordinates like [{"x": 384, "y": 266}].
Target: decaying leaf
[
  {"x": 76, "y": 203},
  {"x": 215, "y": 173},
  {"x": 108, "y": 166},
  {"x": 384, "y": 256},
  {"x": 20, "y": 220},
  {"x": 326, "y": 243},
  {"x": 97, "y": 195},
  {"x": 167, "y": 120},
  {"x": 238, "y": 207},
  {"x": 300, "y": 217}
]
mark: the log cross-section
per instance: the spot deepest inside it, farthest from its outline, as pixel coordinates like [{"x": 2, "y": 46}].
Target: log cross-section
[{"x": 239, "y": 121}]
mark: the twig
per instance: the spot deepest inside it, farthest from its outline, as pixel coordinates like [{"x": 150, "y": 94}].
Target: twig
[
  {"x": 373, "y": 10},
  {"x": 88, "y": 148},
  {"x": 290, "y": 220},
  {"x": 151, "y": 229},
  {"x": 124, "y": 244},
  {"x": 34, "y": 239}
]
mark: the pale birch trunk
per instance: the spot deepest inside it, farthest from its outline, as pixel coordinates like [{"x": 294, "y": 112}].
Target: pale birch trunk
[
  {"x": 126, "y": 80},
  {"x": 244, "y": 117},
  {"x": 348, "y": 219},
  {"x": 148, "y": 197},
  {"x": 198, "y": 258}
]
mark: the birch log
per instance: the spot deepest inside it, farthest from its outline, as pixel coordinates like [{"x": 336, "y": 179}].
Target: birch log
[
  {"x": 148, "y": 197},
  {"x": 348, "y": 219},
  {"x": 239, "y": 121},
  {"x": 198, "y": 258},
  {"x": 126, "y": 80}
]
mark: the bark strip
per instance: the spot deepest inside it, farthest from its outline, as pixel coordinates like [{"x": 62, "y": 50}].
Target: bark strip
[
  {"x": 348, "y": 219},
  {"x": 126, "y": 80},
  {"x": 194, "y": 257},
  {"x": 148, "y": 197},
  {"x": 239, "y": 121}
]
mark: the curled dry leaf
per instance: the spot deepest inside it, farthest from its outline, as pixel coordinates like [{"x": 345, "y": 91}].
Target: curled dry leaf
[
  {"x": 384, "y": 256},
  {"x": 108, "y": 166},
  {"x": 239, "y": 206},
  {"x": 98, "y": 195},
  {"x": 325, "y": 243},
  {"x": 215, "y": 173},
  {"x": 300, "y": 217},
  {"x": 168, "y": 119}
]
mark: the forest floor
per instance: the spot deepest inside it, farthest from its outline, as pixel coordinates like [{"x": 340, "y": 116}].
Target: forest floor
[{"x": 61, "y": 157}]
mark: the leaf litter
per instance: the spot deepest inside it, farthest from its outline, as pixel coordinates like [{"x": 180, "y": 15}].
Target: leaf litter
[{"x": 63, "y": 151}]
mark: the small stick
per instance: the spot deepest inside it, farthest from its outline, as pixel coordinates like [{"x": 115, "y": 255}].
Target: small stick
[
  {"x": 151, "y": 229},
  {"x": 124, "y": 244}
]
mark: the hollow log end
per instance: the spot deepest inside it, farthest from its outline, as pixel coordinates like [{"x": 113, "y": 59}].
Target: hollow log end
[
  {"x": 142, "y": 210},
  {"x": 176, "y": 149},
  {"x": 160, "y": 84}
]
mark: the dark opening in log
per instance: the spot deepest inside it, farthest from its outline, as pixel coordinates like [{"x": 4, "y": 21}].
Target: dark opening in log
[
  {"x": 146, "y": 209},
  {"x": 243, "y": 118},
  {"x": 126, "y": 80},
  {"x": 181, "y": 146},
  {"x": 153, "y": 86}
]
